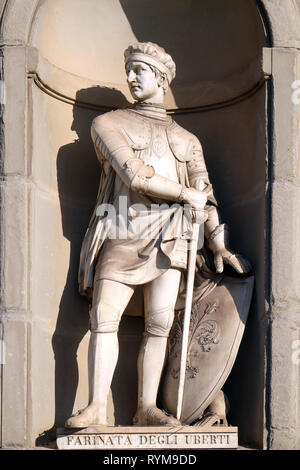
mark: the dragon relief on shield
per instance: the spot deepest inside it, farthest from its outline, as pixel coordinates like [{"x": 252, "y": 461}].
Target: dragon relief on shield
[{"x": 203, "y": 334}]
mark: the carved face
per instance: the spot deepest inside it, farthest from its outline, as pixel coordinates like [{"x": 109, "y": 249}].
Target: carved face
[{"x": 143, "y": 83}]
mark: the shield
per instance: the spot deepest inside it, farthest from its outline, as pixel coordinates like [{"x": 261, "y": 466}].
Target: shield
[{"x": 216, "y": 329}]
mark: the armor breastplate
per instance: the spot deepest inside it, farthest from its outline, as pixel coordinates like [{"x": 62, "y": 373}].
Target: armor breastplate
[
  {"x": 158, "y": 154},
  {"x": 138, "y": 131}
]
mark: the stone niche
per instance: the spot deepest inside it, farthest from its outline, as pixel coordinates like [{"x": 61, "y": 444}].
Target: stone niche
[
  {"x": 217, "y": 48},
  {"x": 74, "y": 69}
]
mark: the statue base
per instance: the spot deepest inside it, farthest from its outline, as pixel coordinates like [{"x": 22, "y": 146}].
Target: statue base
[{"x": 148, "y": 437}]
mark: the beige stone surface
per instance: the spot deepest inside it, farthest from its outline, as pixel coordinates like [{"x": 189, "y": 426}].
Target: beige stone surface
[
  {"x": 284, "y": 333},
  {"x": 283, "y": 391},
  {"x": 15, "y": 159},
  {"x": 285, "y": 70},
  {"x": 17, "y": 21},
  {"x": 283, "y": 20},
  {"x": 14, "y": 242},
  {"x": 14, "y": 381},
  {"x": 285, "y": 227}
]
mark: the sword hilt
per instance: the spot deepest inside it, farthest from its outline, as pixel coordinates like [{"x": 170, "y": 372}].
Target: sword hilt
[{"x": 199, "y": 216}]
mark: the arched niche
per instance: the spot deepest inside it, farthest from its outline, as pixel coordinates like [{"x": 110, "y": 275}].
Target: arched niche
[
  {"x": 217, "y": 49},
  {"x": 73, "y": 59}
]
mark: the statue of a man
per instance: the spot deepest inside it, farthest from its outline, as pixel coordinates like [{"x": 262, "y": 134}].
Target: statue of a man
[{"x": 147, "y": 159}]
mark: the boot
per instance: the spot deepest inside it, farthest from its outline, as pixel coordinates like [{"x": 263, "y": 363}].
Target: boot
[
  {"x": 103, "y": 355},
  {"x": 150, "y": 365},
  {"x": 154, "y": 417}
]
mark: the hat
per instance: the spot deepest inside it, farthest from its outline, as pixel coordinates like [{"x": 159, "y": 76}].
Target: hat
[{"x": 151, "y": 54}]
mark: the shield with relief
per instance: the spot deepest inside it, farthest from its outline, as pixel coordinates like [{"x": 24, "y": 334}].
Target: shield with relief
[{"x": 216, "y": 329}]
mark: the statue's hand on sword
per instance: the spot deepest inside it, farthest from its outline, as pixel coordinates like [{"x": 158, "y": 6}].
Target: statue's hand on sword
[
  {"x": 194, "y": 197},
  {"x": 197, "y": 200}
]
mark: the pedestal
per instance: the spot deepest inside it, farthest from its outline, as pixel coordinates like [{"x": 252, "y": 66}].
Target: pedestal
[{"x": 160, "y": 437}]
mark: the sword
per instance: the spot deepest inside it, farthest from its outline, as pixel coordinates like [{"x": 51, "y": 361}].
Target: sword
[{"x": 198, "y": 218}]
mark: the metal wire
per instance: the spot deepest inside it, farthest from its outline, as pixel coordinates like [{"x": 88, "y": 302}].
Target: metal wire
[{"x": 195, "y": 109}]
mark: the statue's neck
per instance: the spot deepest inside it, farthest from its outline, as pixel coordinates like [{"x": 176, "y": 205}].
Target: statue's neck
[{"x": 154, "y": 110}]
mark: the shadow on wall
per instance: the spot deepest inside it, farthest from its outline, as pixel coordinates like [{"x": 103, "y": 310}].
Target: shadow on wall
[
  {"x": 209, "y": 40},
  {"x": 78, "y": 173}
]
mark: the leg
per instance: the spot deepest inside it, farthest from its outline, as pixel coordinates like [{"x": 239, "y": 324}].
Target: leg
[
  {"x": 110, "y": 299},
  {"x": 160, "y": 298}
]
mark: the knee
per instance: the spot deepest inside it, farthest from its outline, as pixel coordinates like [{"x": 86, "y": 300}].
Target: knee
[
  {"x": 104, "y": 318},
  {"x": 159, "y": 322}
]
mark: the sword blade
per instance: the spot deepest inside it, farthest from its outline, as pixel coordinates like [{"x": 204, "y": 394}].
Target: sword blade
[{"x": 187, "y": 314}]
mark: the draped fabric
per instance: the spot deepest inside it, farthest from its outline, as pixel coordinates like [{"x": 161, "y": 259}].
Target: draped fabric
[{"x": 137, "y": 242}]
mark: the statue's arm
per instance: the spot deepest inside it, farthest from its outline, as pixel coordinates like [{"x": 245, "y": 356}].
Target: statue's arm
[
  {"x": 199, "y": 179},
  {"x": 215, "y": 232},
  {"x": 111, "y": 145}
]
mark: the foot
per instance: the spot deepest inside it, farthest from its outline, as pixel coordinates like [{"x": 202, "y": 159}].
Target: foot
[
  {"x": 89, "y": 416},
  {"x": 211, "y": 419},
  {"x": 154, "y": 417}
]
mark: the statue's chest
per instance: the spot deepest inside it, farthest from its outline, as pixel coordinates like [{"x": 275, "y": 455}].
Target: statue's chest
[{"x": 158, "y": 154}]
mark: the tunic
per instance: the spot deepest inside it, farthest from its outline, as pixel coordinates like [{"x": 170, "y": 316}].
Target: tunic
[{"x": 144, "y": 236}]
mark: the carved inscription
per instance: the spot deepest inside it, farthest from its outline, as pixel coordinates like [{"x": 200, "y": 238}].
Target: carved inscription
[{"x": 149, "y": 440}]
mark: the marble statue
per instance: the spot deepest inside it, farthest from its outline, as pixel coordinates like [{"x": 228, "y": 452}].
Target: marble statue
[{"x": 152, "y": 168}]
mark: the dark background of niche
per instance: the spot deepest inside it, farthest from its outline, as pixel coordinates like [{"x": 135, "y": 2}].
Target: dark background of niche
[{"x": 209, "y": 41}]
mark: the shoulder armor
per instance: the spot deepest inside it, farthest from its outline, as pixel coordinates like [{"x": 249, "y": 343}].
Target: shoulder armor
[
  {"x": 184, "y": 145},
  {"x": 136, "y": 129}
]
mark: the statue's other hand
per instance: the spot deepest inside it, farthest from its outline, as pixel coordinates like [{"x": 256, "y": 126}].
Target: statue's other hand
[
  {"x": 236, "y": 261},
  {"x": 196, "y": 198}
]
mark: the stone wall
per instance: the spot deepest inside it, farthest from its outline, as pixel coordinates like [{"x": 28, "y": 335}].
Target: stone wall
[{"x": 55, "y": 81}]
